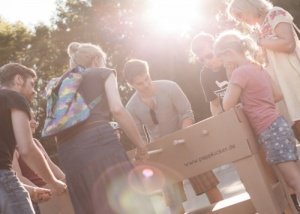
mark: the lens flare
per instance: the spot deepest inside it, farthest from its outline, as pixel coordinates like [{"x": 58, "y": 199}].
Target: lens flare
[
  {"x": 124, "y": 191},
  {"x": 152, "y": 178},
  {"x": 130, "y": 189},
  {"x": 172, "y": 16},
  {"x": 148, "y": 173}
]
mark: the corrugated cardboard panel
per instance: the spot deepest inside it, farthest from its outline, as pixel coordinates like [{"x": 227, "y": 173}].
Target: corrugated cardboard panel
[{"x": 202, "y": 146}]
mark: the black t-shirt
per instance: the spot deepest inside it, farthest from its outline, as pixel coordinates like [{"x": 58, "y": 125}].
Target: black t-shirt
[
  {"x": 214, "y": 83},
  {"x": 92, "y": 86},
  {"x": 9, "y": 100}
]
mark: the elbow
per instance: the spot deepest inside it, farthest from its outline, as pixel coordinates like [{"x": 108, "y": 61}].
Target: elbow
[
  {"x": 24, "y": 151},
  {"x": 290, "y": 47}
]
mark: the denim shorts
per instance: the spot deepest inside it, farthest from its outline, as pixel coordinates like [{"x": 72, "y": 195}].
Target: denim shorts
[
  {"x": 14, "y": 199},
  {"x": 279, "y": 142}
]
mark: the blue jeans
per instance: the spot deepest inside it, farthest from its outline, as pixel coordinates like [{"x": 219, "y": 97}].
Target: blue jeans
[{"x": 14, "y": 199}]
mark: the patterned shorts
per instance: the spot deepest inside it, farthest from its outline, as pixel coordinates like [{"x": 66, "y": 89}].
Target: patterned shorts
[{"x": 279, "y": 142}]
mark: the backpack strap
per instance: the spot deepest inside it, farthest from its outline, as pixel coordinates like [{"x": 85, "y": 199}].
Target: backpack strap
[
  {"x": 95, "y": 102},
  {"x": 78, "y": 69},
  {"x": 296, "y": 29}
]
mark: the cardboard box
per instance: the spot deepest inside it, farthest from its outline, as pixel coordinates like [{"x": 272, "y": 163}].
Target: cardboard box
[{"x": 226, "y": 138}]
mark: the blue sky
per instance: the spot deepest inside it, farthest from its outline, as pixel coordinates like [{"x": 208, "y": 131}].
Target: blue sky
[{"x": 28, "y": 11}]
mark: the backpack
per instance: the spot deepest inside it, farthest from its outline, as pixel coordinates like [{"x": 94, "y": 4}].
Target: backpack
[{"x": 65, "y": 105}]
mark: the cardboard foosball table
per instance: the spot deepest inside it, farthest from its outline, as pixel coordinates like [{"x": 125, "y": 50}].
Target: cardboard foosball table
[{"x": 226, "y": 138}]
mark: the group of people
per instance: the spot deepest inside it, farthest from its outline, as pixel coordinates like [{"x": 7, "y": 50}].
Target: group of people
[{"x": 95, "y": 167}]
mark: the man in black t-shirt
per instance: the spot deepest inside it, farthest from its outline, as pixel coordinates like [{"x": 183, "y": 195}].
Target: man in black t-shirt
[
  {"x": 213, "y": 76},
  {"x": 17, "y": 83}
]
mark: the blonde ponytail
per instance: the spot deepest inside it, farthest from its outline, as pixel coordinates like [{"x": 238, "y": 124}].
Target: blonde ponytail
[
  {"x": 255, "y": 7},
  {"x": 235, "y": 40},
  {"x": 83, "y": 54}
]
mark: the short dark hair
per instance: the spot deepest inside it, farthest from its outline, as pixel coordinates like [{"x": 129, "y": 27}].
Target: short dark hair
[
  {"x": 199, "y": 40},
  {"x": 133, "y": 68},
  {"x": 10, "y": 70}
]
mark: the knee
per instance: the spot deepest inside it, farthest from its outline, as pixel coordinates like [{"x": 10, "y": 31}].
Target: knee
[{"x": 294, "y": 183}]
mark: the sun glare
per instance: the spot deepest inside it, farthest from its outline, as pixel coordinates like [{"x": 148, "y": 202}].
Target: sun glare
[{"x": 172, "y": 16}]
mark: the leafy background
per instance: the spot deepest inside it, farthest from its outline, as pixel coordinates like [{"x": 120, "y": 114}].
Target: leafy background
[{"x": 117, "y": 26}]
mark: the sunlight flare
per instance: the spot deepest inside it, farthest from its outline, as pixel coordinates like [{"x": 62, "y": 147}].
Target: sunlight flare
[{"x": 172, "y": 16}]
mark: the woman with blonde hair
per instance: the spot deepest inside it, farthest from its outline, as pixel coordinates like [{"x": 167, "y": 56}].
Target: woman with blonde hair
[
  {"x": 95, "y": 164},
  {"x": 253, "y": 86},
  {"x": 279, "y": 39}
]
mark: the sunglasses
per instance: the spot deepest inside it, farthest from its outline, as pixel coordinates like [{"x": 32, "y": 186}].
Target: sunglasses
[
  {"x": 206, "y": 57},
  {"x": 153, "y": 116}
]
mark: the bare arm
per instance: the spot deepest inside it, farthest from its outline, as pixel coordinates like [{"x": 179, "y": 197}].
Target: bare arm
[
  {"x": 58, "y": 173},
  {"x": 36, "y": 193},
  {"x": 29, "y": 151},
  {"x": 120, "y": 113},
  {"x": 232, "y": 95},
  {"x": 284, "y": 42},
  {"x": 17, "y": 169}
]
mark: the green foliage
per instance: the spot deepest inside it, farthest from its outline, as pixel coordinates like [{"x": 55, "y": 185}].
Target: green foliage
[
  {"x": 14, "y": 40},
  {"x": 117, "y": 26}
]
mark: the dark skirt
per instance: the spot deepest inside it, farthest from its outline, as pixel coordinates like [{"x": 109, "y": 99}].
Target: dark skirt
[{"x": 99, "y": 176}]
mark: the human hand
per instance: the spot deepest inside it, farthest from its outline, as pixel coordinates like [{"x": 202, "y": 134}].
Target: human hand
[
  {"x": 58, "y": 187},
  {"x": 141, "y": 153},
  {"x": 39, "y": 195}
]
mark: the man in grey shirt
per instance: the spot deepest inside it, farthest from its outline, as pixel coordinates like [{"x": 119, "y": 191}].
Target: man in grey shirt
[{"x": 160, "y": 107}]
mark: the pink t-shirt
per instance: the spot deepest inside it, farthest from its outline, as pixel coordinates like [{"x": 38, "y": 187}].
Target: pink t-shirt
[{"x": 257, "y": 96}]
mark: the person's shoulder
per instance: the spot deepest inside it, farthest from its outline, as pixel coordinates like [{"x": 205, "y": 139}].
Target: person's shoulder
[
  {"x": 98, "y": 72},
  {"x": 13, "y": 99},
  {"x": 165, "y": 83},
  {"x": 167, "y": 86},
  {"x": 277, "y": 12},
  {"x": 12, "y": 95},
  {"x": 246, "y": 69}
]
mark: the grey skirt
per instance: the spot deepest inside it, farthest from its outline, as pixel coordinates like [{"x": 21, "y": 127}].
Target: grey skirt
[{"x": 99, "y": 176}]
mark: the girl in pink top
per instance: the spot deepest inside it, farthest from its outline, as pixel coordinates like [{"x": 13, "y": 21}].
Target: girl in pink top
[
  {"x": 278, "y": 38},
  {"x": 251, "y": 84}
]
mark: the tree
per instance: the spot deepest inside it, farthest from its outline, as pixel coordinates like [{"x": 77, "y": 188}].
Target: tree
[
  {"x": 118, "y": 27},
  {"x": 14, "y": 40}
]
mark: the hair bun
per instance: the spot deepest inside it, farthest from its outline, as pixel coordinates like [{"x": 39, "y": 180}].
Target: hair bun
[{"x": 73, "y": 48}]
